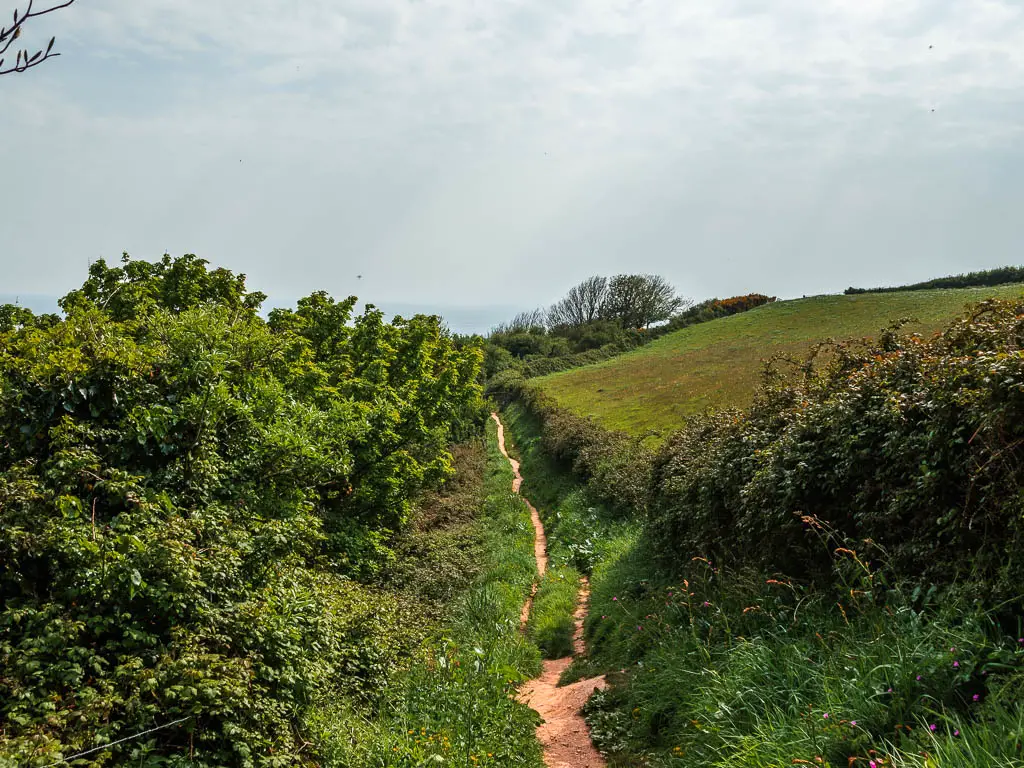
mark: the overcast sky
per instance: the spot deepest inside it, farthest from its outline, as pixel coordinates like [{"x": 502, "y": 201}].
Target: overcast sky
[{"x": 460, "y": 153}]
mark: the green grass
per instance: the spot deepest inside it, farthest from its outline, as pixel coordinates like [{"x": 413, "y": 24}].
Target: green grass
[
  {"x": 719, "y": 363},
  {"x": 455, "y": 705},
  {"x": 551, "y": 622},
  {"x": 728, "y": 669}
]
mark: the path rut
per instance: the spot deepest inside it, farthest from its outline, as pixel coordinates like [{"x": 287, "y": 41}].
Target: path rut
[{"x": 563, "y": 733}]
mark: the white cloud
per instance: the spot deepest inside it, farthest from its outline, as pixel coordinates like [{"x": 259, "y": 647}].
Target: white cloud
[{"x": 442, "y": 146}]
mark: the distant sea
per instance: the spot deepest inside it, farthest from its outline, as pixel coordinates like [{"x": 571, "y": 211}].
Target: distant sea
[{"x": 472, "y": 319}]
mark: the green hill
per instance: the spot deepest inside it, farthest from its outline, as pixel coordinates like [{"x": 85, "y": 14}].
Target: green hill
[{"x": 719, "y": 363}]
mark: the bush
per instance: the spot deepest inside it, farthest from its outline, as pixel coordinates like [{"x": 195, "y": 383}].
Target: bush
[
  {"x": 913, "y": 446},
  {"x": 712, "y": 309},
  {"x": 187, "y": 496}
]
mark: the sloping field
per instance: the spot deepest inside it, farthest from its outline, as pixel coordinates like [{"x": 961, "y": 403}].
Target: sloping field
[{"x": 719, "y": 363}]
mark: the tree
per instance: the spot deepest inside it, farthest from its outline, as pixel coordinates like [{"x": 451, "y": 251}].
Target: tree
[
  {"x": 8, "y": 35},
  {"x": 636, "y": 301},
  {"x": 534, "y": 321},
  {"x": 582, "y": 304}
]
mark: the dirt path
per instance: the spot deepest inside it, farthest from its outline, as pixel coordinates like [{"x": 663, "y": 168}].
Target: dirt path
[{"x": 564, "y": 733}]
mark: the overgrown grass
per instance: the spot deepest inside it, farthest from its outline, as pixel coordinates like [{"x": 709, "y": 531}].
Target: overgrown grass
[
  {"x": 455, "y": 706},
  {"x": 728, "y": 669},
  {"x": 719, "y": 363},
  {"x": 580, "y": 533},
  {"x": 551, "y": 618}
]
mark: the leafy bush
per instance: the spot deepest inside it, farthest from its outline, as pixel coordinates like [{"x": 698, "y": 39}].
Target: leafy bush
[
  {"x": 456, "y": 705},
  {"x": 912, "y": 445},
  {"x": 186, "y": 494},
  {"x": 1000, "y": 276}
]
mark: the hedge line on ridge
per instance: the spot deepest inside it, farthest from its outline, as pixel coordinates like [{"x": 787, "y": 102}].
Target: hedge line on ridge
[{"x": 986, "y": 277}]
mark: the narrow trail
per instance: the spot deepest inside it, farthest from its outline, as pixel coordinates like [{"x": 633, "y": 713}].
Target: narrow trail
[{"x": 563, "y": 734}]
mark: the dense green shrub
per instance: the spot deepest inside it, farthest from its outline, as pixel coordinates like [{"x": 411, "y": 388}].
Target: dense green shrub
[
  {"x": 1000, "y": 276},
  {"x": 456, "y": 705},
  {"x": 913, "y": 445},
  {"x": 186, "y": 495}
]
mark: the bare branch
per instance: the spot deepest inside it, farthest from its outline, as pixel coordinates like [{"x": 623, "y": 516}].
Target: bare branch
[{"x": 25, "y": 60}]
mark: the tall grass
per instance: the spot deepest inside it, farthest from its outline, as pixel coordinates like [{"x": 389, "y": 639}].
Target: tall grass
[
  {"x": 551, "y": 621},
  {"x": 455, "y": 705},
  {"x": 737, "y": 669}
]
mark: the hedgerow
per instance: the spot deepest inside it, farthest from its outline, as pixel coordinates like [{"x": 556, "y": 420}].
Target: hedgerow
[
  {"x": 190, "y": 497},
  {"x": 999, "y": 276},
  {"x": 615, "y": 467},
  {"x": 912, "y": 447}
]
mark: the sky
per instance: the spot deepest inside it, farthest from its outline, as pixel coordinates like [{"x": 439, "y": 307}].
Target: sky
[{"x": 475, "y": 157}]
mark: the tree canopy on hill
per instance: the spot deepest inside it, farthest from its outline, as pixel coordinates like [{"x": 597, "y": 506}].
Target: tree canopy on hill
[{"x": 584, "y": 303}]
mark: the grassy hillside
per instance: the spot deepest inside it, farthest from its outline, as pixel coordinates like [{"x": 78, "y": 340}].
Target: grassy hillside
[{"x": 719, "y": 363}]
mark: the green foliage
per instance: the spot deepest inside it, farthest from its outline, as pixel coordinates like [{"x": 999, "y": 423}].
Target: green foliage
[
  {"x": 438, "y": 555},
  {"x": 910, "y": 445},
  {"x": 139, "y": 287},
  {"x": 615, "y": 467},
  {"x": 1000, "y": 276},
  {"x": 186, "y": 492},
  {"x": 551, "y": 622},
  {"x": 456, "y": 704}
]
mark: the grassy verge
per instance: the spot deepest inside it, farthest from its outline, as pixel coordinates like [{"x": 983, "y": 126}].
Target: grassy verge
[
  {"x": 551, "y": 617},
  {"x": 455, "y": 705},
  {"x": 577, "y": 527},
  {"x": 731, "y": 669},
  {"x": 580, "y": 534}
]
